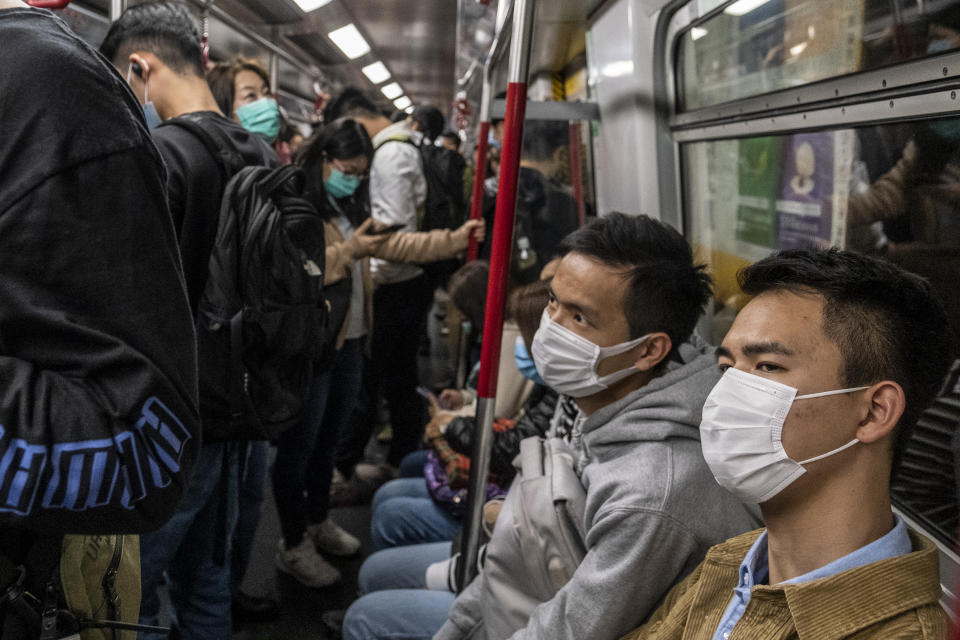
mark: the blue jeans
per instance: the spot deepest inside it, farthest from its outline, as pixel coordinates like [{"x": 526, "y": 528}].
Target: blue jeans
[
  {"x": 401, "y": 567},
  {"x": 405, "y": 514},
  {"x": 412, "y": 464},
  {"x": 395, "y": 604},
  {"x": 398, "y": 614},
  {"x": 187, "y": 546},
  {"x": 303, "y": 469}
]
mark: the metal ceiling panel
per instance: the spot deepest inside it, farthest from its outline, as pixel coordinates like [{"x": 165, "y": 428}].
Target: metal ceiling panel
[
  {"x": 417, "y": 42},
  {"x": 274, "y": 11}
]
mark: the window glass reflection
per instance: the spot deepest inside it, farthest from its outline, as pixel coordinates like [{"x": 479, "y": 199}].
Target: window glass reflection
[{"x": 758, "y": 46}]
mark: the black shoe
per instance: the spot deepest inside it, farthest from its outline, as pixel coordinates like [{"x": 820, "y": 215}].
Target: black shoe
[{"x": 247, "y": 608}]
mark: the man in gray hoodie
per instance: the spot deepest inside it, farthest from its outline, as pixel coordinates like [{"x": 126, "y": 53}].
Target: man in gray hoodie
[{"x": 616, "y": 336}]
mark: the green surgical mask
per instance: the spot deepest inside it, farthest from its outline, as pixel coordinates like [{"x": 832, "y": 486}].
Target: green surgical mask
[
  {"x": 340, "y": 185},
  {"x": 262, "y": 118}
]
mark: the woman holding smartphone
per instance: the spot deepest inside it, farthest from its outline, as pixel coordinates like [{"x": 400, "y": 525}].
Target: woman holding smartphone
[{"x": 335, "y": 162}]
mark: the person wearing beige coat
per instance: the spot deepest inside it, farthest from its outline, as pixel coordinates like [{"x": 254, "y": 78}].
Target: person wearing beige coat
[{"x": 335, "y": 161}]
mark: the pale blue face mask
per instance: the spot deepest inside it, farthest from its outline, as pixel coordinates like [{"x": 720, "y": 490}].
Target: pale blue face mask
[
  {"x": 151, "y": 115},
  {"x": 525, "y": 363},
  {"x": 262, "y": 118},
  {"x": 149, "y": 109},
  {"x": 340, "y": 185}
]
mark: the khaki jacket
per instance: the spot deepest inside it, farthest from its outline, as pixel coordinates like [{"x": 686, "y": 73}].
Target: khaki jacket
[
  {"x": 420, "y": 247},
  {"x": 894, "y": 599}
]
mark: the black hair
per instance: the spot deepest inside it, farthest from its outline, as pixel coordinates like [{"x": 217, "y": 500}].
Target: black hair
[
  {"x": 351, "y": 102},
  {"x": 666, "y": 291},
  {"x": 887, "y": 323},
  {"x": 341, "y": 139},
  {"x": 525, "y": 306},
  {"x": 429, "y": 119},
  {"x": 166, "y": 29},
  {"x": 542, "y": 138},
  {"x": 450, "y": 134},
  {"x": 468, "y": 290}
]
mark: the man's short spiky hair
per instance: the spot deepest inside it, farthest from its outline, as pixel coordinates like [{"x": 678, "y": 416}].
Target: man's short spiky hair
[
  {"x": 350, "y": 103},
  {"x": 165, "y": 29},
  {"x": 886, "y": 322},
  {"x": 666, "y": 290}
]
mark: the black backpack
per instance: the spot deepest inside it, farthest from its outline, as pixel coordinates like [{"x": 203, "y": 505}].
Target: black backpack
[
  {"x": 262, "y": 317},
  {"x": 446, "y": 206}
]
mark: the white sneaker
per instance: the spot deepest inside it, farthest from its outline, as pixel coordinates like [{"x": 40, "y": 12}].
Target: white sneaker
[
  {"x": 305, "y": 564},
  {"x": 331, "y": 538}
]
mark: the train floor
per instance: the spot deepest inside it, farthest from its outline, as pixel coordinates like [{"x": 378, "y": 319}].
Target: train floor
[{"x": 305, "y": 613}]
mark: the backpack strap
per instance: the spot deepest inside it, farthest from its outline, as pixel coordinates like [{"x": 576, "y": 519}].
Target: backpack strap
[
  {"x": 216, "y": 141},
  {"x": 397, "y": 137}
]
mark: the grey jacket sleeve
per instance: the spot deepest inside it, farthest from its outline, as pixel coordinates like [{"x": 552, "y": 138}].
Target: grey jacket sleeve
[
  {"x": 634, "y": 557},
  {"x": 466, "y": 616}
]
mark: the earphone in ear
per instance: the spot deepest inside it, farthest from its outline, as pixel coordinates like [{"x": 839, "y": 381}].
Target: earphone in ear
[{"x": 136, "y": 69}]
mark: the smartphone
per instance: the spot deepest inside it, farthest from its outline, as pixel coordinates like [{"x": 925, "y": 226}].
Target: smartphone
[
  {"x": 393, "y": 228},
  {"x": 429, "y": 395}
]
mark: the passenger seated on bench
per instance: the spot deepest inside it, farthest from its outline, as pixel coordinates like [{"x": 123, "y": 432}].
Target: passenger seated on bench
[
  {"x": 826, "y": 370},
  {"x": 415, "y": 509},
  {"x": 616, "y": 335}
]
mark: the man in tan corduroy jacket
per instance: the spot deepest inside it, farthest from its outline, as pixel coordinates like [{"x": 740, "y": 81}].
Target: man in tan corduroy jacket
[{"x": 826, "y": 370}]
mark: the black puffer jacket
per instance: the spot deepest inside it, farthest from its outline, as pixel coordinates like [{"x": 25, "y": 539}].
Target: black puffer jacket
[{"x": 535, "y": 421}]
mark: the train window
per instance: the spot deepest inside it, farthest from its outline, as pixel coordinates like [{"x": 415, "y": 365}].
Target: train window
[
  {"x": 891, "y": 190},
  {"x": 758, "y": 46}
]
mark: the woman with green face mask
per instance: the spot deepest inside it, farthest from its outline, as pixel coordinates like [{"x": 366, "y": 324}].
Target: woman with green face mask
[
  {"x": 242, "y": 90},
  {"x": 335, "y": 162}
]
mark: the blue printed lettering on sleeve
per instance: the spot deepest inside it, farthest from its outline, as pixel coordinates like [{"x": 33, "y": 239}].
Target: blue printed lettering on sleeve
[{"x": 93, "y": 473}]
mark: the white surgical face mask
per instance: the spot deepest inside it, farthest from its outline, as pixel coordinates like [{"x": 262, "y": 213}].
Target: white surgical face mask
[
  {"x": 568, "y": 362},
  {"x": 740, "y": 435}
]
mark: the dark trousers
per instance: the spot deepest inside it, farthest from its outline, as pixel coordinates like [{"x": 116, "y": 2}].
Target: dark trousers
[
  {"x": 305, "y": 453},
  {"x": 399, "y": 317}
]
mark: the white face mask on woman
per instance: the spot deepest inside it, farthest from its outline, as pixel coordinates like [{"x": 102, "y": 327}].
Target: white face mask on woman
[
  {"x": 568, "y": 362},
  {"x": 740, "y": 435}
]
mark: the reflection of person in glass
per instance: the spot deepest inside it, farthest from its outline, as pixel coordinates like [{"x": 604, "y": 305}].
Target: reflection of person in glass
[
  {"x": 802, "y": 183},
  {"x": 918, "y": 200}
]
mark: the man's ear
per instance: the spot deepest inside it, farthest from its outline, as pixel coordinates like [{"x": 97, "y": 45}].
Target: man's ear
[
  {"x": 882, "y": 408},
  {"x": 653, "y": 351}
]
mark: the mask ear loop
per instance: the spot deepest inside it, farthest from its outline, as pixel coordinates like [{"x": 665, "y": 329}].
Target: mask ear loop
[
  {"x": 830, "y": 453},
  {"x": 820, "y": 395}
]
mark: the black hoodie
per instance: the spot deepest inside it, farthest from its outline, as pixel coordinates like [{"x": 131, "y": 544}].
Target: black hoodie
[{"x": 99, "y": 425}]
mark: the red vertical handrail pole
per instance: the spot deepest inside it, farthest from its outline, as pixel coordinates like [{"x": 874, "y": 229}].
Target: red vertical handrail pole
[
  {"x": 576, "y": 171},
  {"x": 479, "y": 175},
  {"x": 518, "y": 70}
]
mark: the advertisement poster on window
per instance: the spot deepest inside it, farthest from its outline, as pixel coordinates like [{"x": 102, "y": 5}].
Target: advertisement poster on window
[
  {"x": 758, "y": 177},
  {"x": 811, "y": 208}
]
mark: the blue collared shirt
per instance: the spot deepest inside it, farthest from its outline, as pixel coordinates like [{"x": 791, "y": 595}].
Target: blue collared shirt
[{"x": 755, "y": 569}]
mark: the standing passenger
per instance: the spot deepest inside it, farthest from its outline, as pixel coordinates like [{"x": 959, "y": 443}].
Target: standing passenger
[
  {"x": 335, "y": 161},
  {"x": 827, "y": 369},
  {"x": 398, "y": 191},
  {"x": 241, "y": 88},
  {"x": 157, "y": 46},
  {"x": 97, "y": 349}
]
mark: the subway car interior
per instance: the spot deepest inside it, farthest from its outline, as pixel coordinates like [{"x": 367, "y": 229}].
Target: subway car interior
[{"x": 748, "y": 126}]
